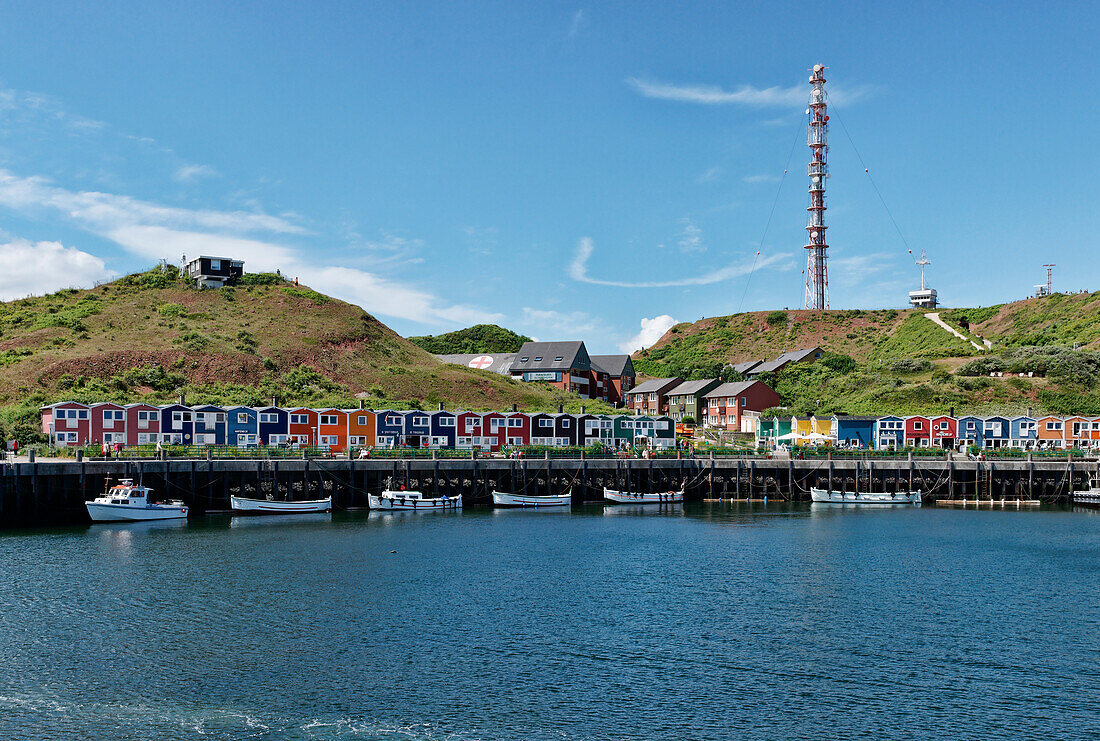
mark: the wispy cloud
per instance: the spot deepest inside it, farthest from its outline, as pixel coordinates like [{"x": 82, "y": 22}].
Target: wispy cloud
[
  {"x": 152, "y": 230},
  {"x": 760, "y": 179},
  {"x": 691, "y": 238},
  {"x": 578, "y": 271},
  {"x": 190, "y": 173},
  {"x": 652, "y": 330},
  {"x": 557, "y": 323},
  {"x": 709, "y": 175},
  {"x": 42, "y": 106},
  {"x": 577, "y": 24},
  {"x": 482, "y": 239},
  {"x": 746, "y": 95},
  {"x": 36, "y": 268}
]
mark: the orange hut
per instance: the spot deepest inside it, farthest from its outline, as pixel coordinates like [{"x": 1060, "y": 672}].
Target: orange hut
[
  {"x": 332, "y": 430},
  {"x": 1052, "y": 431},
  {"x": 361, "y": 428}
]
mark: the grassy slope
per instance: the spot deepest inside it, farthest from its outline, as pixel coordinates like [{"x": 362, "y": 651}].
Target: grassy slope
[
  {"x": 878, "y": 338},
  {"x": 478, "y": 338},
  {"x": 128, "y": 342}
]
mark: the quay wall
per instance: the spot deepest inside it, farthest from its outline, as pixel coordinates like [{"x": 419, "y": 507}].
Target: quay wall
[{"x": 52, "y": 492}]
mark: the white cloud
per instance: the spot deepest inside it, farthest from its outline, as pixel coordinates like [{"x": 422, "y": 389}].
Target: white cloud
[
  {"x": 101, "y": 212},
  {"x": 691, "y": 238},
  {"x": 652, "y": 330},
  {"x": 747, "y": 95},
  {"x": 577, "y": 24},
  {"x": 564, "y": 324},
  {"x": 189, "y": 173},
  {"x": 151, "y": 230},
  {"x": 390, "y": 242},
  {"x": 578, "y": 270},
  {"x": 709, "y": 175},
  {"x": 35, "y": 268},
  {"x": 760, "y": 179}
]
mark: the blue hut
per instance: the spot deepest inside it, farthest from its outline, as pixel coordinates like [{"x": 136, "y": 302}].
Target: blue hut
[
  {"x": 273, "y": 425},
  {"x": 389, "y": 426},
  {"x": 971, "y": 431},
  {"x": 1024, "y": 431},
  {"x": 242, "y": 427},
  {"x": 210, "y": 425},
  {"x": 418, "y": 428},
  {"x": 997, "y": 432},
  {"x": 854, "y": 432},
  {"x": 177, "y": 424},
  {"x": 444, "y": 429},
  {"x": 889, "y": 432}
]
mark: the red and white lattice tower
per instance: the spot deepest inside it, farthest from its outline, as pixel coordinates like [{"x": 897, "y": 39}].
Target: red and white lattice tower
[{"x": 817, "y": 276}]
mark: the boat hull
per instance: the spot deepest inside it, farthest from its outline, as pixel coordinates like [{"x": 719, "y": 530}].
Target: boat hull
[
  {"x": 245, "y": 506},
  {"x": 867, "y": 497},
  {"x": 504, "y": 499},
  {"x": 399, "y": 502},
  {"x": 625, "y": 497},
  {"x": 129, "y": 513}
]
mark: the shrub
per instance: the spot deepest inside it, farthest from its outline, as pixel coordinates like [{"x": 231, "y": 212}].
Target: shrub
[
  {"x": 261, "y": 279},
  {"x": 171, "y": 310},
  {"x": 911, "y": 365},
  {"x": 838, "y": 362},
  {"x": 775, "y": 318}
]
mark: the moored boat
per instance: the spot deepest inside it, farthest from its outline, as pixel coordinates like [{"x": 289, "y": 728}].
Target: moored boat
[
  {"x": 1089, "y": 497},
  {"x": 866, "y": 497},
  {"x": 246, "y": 506},
  {"x": 412, "y": 500},
  {"x": 630, "y": 497},
  {"x": 504, "y": 499},
  {"x": 126, "y": 502}
]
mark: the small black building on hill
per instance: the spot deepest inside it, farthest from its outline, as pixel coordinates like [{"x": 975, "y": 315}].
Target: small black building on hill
[{"x": 214, "y": 272}]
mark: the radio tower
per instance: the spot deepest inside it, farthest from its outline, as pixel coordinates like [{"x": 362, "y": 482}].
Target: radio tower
[{"x": 817, "y": 276}]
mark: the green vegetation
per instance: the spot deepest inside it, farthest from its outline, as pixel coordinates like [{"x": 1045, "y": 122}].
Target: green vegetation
[
  {"x": 153, "y": 335},
  {"x": 479, "y": 338},
  {"x": 900, "y": 361}
]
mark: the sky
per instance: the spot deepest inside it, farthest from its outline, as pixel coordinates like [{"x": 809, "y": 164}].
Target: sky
[{"x": 567, "y": 170}]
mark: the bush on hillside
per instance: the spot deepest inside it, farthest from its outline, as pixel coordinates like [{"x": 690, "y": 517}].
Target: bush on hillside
[
  {"x": 911, "y": 365},
  {"x": 775, "y": 318},
  {"x": 261, "y": 279},
  {"x": 838, "y": 362}
]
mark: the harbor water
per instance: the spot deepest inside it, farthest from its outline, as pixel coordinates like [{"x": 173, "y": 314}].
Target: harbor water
[{"x": 704, "y": 621}]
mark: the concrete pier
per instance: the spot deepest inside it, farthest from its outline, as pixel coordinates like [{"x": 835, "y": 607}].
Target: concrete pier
[{"x": 39, "y": 493}]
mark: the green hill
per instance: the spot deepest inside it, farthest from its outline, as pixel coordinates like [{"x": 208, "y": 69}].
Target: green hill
[
  {"x": 478, "y": 338},
  {"x": 902, "y": 362},
  {"x": 152, "y": 336}
]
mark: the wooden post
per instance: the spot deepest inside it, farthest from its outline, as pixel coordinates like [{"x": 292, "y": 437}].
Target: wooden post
[{"x": 737, "y": 486}]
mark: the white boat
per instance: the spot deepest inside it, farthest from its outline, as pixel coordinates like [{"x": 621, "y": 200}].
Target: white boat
[
  {"x": 866, "y": 497},
  {"x": 402, "y": 500},
  {"x": 245, "y": 506},
  {"x": 128, "y": 503},
  {"x": 1089, "y": 496},
  {"x": 628, "y": 497},
  {"x": 504, "y": 499}
]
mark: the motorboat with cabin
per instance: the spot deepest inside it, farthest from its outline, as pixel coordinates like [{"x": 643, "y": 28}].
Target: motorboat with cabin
[
  {"x": 1089, "y": 497},
  {"x": 404, "y": 499},
  {"x": 631, "y": 497},
  {"x": 867, "y": 497},
  {"x": 504, "y": 499},
  {"x": 127, "y": 502},
  {"x": 246, "y": 506}
]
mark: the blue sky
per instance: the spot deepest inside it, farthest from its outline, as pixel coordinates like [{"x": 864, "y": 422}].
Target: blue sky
[{"x": 567, "y": 170}]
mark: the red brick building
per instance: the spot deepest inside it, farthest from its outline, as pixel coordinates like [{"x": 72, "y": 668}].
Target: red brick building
[{"x": 726, "y": 404}]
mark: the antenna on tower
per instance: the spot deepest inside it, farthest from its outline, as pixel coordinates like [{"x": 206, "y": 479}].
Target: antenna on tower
[
  {"x": 817, "y": 277},
  {"x": 1048, "y": 289},
  {"x": 926, "y": 297}
]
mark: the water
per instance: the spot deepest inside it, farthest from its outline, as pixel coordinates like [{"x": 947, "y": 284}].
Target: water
[{"x": 696, "y": 622}]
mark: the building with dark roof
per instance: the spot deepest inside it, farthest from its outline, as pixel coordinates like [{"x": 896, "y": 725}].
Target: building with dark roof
[
  {"x": 805, "y": 355},
  {"x": 214, "y": 272},
  {"x": 684, "y": 400},
  {"x": 614, "y": 376},
  {"x": 726, "y": 404},
  {"x": 651, "y": 397}
]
